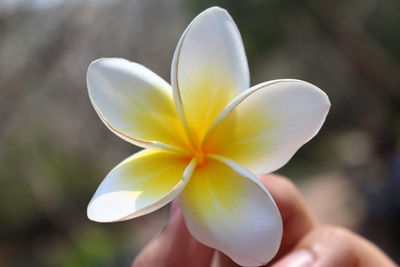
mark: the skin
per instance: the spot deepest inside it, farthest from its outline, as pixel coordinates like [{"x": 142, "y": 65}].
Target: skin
[{"x": 306, "y": 242}]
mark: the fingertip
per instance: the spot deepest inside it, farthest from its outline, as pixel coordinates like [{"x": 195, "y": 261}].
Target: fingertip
[
  {"x": 173, "y": 208},
  {"x": 286, "y": 195}
]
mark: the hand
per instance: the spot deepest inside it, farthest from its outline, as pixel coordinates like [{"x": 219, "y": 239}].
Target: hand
[{"x": 305, "y": 241}]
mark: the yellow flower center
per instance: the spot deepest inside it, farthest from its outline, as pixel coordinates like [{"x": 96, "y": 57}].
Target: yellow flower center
[
  {"x": 199, "y": 155},
  {"x": 199, "y": 147}
]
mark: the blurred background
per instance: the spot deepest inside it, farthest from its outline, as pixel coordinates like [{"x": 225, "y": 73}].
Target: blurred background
[{"x": 54, "y": 150}]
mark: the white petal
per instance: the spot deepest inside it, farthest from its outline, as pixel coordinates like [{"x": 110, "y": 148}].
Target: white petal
[
  {"x": 232, "y": 212},
  {"x": 264, "y": 126},
  {"x": 208, "y": 70},
  {"x": 139, "y": 185},
  {"x": 134, "y": 103}
]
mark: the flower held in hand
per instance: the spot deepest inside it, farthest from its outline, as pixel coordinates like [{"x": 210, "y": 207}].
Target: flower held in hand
[{"x": 204, "y": 138}]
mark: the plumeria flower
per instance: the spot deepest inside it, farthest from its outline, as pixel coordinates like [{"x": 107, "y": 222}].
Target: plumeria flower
[{"x": 205, "y": 137}]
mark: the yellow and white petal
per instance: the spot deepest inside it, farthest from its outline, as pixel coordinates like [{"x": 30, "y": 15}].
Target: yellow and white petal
[
  {"x": 264, "y": 126},
  {"x": 209, "y": 69},
  {"x": 135, "y": 103},
  {"x": 139, "y": 185},
  {"x": 232, "y": 213}
]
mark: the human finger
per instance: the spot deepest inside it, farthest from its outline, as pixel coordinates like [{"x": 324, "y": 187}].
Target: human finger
[
  {"x": 330, "y": 246},
  {"x": 174, "y": 246},
  {"x": 297, "y": 218}
]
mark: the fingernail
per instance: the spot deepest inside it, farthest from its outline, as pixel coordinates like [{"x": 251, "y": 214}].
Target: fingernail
[{"x": 298, "y": 258}]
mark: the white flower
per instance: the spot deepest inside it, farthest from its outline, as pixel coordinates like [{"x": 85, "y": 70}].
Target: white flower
[{"x": 205, "y": 138}]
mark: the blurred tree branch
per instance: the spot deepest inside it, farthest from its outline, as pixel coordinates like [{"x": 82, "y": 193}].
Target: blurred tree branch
[{"x": 365, "y": 53}]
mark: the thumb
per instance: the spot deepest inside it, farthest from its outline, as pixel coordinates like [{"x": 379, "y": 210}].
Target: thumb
[{"x": 328, "y": 246}]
